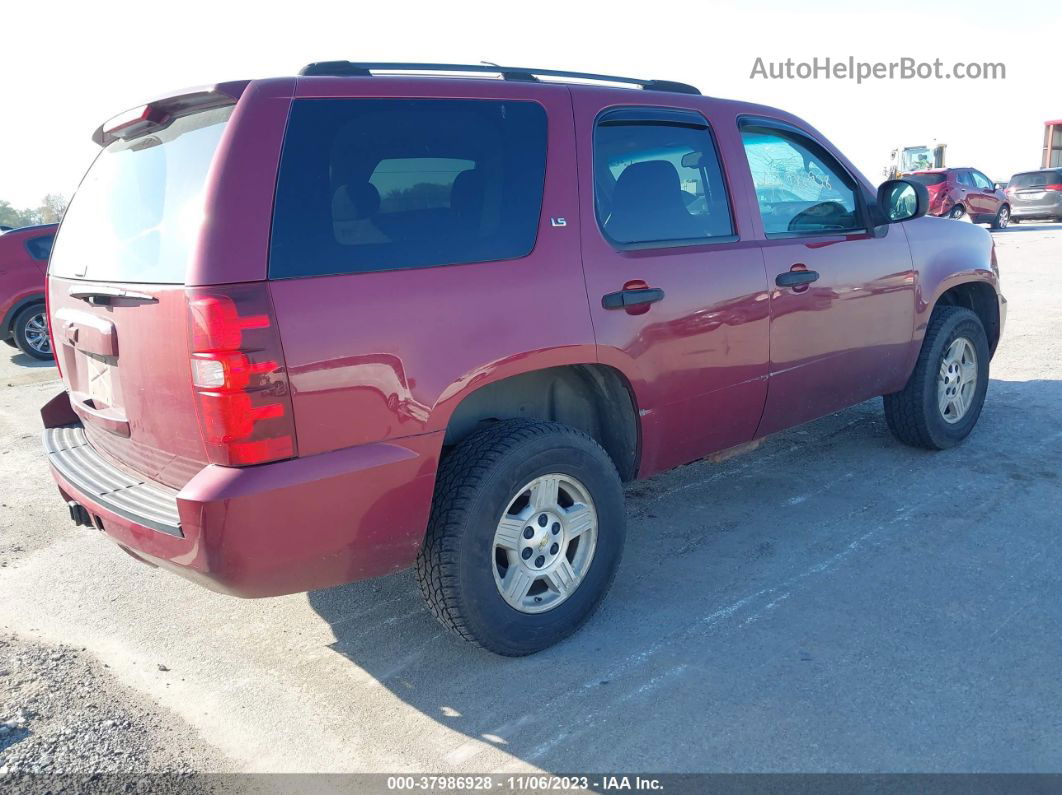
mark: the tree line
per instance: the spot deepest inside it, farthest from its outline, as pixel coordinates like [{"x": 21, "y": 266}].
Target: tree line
[{"x": 49, "y": 211}]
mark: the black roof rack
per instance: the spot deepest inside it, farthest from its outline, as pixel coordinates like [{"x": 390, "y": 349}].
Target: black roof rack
[{"x": 361, "y": 69}]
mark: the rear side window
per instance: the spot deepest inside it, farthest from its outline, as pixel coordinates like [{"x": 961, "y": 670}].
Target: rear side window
[
  {"x": 658, "y": 181},
  {"x": 926, "y": 179},
  {"x": 137, "y": 213},
  {"x": 1036, "y": 179},
  {"x": 40, "y": 247},
  {"x": 380, "y": 184}
]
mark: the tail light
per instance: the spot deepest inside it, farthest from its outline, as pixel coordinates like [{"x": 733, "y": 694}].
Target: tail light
[
  {"x": 239, "y": 376},
  {"x": 1052, "y": 187}
]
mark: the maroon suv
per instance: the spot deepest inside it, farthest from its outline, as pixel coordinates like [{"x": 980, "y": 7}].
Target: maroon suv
[
  {"x": 959, "y": 192},
  {"x": 23, "y": 260},
  {"x": 321, "y": 328}
]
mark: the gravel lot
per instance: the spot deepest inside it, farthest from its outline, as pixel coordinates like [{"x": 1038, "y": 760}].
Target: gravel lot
[{"x": 832, "y": 601}]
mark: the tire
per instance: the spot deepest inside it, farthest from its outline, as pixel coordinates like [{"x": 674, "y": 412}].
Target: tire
[
  {"x": 956, "y": 212},
  {"x": 460, "y": 567},
  {"x": 915, "y": 415},
  {"x": 27, "y": 329},
  {"x": 11, "y": 341},
  {"x": 1014, "y": 220},
  {"x": 1002, "y": 218}
]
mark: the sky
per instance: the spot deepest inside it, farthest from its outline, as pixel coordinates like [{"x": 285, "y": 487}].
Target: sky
[{"x": 78, "y": 64}]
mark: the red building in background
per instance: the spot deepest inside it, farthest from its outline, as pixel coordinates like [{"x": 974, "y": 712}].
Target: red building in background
[{"x": 1052, "y": 144}]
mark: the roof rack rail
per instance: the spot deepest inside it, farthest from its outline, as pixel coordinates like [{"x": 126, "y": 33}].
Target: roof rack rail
[{"x": 363, "y": 69}]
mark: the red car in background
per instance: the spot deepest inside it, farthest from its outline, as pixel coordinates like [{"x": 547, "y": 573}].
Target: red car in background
[
  {"x": 23, "y": 262},
  {"x": 958, "y": 192}
]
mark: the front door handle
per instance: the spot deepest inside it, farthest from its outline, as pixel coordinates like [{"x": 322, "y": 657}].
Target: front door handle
[
  {"x": 625, "y": 299},
  {"x": 796, "y": 278}
]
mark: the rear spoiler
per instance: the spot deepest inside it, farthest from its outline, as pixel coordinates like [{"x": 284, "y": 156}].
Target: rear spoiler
[{"x": 160, "y": 113}]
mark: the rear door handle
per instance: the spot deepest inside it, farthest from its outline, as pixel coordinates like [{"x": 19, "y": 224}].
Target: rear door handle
[
  {"x": 625, "y": 299},
  {"x": 796, "y": 278}
]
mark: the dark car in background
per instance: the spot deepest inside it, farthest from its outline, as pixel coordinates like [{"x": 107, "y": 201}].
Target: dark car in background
[
  {"x": 1036, "y": 195},
  {"x": 23, "y": 262},
  {"x": 959, "y": 192}
]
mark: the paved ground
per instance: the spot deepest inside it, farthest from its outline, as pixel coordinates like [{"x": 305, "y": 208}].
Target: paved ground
[{"x": 830, "y": 602}]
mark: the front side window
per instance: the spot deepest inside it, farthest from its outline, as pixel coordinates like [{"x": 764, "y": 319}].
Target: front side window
[
  {"x": 800, "y": 189},
  {"x": 380, "y": 184},
  {"x": 966, "y": 178},
  {"x": 981, "y": 181},
  {"x": 658, "y": 182}
]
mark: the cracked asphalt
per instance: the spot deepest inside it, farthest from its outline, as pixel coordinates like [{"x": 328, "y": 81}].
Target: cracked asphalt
[{"x": 832, "y": 601}]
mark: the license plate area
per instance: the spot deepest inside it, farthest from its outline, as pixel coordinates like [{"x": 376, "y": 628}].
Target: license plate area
[{"x": 100, "y": 378}]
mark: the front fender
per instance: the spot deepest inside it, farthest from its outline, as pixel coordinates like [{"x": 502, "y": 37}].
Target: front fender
[{"x": 945, "y": 254}]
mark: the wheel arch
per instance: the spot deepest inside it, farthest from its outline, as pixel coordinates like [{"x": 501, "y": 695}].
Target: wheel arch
[
  {"x": 980, "y": 297},
  {"x": 7, "y": 327},
  {"x": 595, "y": 398}
]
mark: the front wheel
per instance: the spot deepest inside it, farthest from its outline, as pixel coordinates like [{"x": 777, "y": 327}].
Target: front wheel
[
  {"x": 943, "y": 398},
  {"x": 31, "y": 333},
  {"x": 526, "y": 533},
  {"x": 1002, "y": 218}
]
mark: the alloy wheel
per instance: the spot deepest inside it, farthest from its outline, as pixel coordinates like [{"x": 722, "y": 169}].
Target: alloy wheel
[
  {"x": 957, "y": 380},
  {"x": 544, "y": 543},
  {"x": 37, "y": 334}
]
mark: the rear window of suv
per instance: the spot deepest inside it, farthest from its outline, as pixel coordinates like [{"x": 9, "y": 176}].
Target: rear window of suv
[
  {"x": 137, "y": 213},
  {"x": 1036, "y": 179},
  {"x": 926, "y": 179},
  {"x": 380, "y": 184}
]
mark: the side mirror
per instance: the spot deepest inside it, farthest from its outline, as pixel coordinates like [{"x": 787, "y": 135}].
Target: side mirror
[{"x": 902, "y": 200}]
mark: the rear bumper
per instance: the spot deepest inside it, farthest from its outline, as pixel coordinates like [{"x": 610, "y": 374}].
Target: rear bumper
[
  {"x": 266, "y": 530},
  {"x": 1048, "y": 206}
]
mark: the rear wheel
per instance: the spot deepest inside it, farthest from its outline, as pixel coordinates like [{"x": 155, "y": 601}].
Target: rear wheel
[
  {"x": 1002, "y": 218},
  {"x": 943, "y": 398},
  {"x": 526, "y": 533},
  {"x": 956, "y": 212},
  {"x": 31, "y": 333}
]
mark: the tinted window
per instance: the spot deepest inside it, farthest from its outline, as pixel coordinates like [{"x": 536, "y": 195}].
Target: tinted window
[
  {"x": 378, "y": 184},
  {"x": 925, "y": 179},
  {"x": 965, "y": 178},
  {"x": 137, "y": 213},
  {"x": 658, "y": 182},
  {"x": 800, "y": 189},
  {"x": 40, "y": 247},
  {"x": 982, "y": 182},
  {"x": 1036, "y": 179}
]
